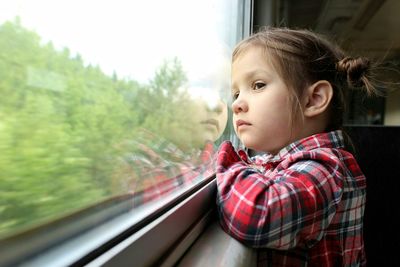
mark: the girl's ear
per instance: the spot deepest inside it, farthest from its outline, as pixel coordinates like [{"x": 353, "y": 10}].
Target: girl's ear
[{"x": 317, "y": 98}]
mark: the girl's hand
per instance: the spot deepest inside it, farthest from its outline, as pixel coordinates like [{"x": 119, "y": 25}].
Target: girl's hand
[{"x": 227, "y": 155}]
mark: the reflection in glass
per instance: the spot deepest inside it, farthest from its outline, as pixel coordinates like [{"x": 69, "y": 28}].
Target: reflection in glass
[
  {"x": 101, "y": 105},
  {"x": 158, "y": 162}
]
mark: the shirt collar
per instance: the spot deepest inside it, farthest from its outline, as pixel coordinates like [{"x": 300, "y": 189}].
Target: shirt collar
[{"x": 332, "y": 139}]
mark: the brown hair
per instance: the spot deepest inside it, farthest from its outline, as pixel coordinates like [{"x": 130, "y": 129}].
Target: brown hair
[{"x": 302, "y": 58}]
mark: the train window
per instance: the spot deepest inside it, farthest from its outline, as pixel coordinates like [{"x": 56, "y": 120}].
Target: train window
[{"x": 108, "y": 108}]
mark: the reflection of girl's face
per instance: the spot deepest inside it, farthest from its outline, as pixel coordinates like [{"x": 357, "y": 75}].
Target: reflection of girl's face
[{"x": 212, "y": 118}]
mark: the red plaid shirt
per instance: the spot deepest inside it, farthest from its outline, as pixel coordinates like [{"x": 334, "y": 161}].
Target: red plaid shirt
[
  {"x": 160, "y": 169},
  {"x": 157, "y": 182},
  {"x": 301, "y": 207}
]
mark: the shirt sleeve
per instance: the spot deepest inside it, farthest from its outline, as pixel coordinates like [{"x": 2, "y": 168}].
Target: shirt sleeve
[{"x": 285, "y": 208}]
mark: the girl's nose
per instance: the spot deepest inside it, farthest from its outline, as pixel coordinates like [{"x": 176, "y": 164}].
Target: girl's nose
[{"x": 239, "y": 105}]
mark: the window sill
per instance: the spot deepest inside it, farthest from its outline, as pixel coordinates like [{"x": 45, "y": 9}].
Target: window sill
[{"x": 216, "y": 248}]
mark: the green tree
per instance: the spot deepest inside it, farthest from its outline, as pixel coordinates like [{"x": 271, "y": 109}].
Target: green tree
[{"x": 64, "y": 127}]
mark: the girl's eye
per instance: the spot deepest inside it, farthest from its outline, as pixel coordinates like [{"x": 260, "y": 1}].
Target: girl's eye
[
  {"x": 259, "y": 85},
  {"x": 235, "y": 95}
]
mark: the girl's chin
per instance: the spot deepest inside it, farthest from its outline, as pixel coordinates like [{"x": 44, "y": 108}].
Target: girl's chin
[
  {"x": 256, "y": 148},
  {"x": 249, "y": 145}
]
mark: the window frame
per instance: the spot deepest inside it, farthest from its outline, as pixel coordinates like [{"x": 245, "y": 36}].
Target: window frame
[
  {"x": 46, "y": 244},
  {"x": 191, "y": 209}
]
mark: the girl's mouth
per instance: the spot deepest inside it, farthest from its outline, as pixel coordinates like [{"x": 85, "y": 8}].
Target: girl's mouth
[{"x": 241, "y": 123}]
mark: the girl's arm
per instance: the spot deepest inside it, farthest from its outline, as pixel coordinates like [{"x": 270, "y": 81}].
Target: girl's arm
[{"x": 289, "y": 207}]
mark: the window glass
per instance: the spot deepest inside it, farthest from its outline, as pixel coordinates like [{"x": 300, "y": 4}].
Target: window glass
[{"x": 101, "y": 99}]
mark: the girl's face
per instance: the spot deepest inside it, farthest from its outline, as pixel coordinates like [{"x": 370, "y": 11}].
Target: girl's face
[{"x": 261, "y": 106}]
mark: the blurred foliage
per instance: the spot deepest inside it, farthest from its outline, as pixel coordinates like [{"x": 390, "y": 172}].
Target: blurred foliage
[{"x": 64, "y": 125}]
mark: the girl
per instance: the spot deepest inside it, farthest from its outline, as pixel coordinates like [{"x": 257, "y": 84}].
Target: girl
[{"x": 302, "y": 203}]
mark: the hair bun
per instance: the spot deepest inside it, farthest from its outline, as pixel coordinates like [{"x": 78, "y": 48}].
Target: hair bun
[{"x": 355, "y": 70}]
